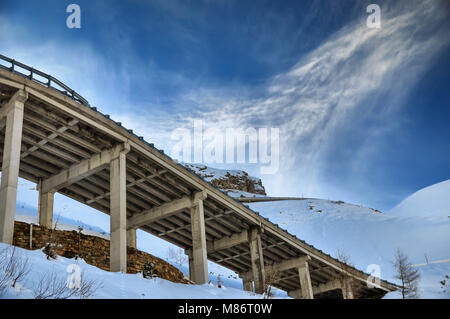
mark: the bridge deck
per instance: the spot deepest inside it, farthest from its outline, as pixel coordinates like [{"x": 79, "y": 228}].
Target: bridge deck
[{"x": 60, "y": 132}]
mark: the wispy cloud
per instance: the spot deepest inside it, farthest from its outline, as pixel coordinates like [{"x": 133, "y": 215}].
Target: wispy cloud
[{"x": 339, "y": 81}]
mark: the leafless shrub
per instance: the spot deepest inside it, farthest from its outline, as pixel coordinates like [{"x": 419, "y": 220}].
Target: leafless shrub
[
  {"x": 271, "y": 277},
  {"x": 88, "y": 287},
  {"x": 4, "y": 279},
  {"x": 54, "y": 286},
  {"x": 14, "y": 265}
]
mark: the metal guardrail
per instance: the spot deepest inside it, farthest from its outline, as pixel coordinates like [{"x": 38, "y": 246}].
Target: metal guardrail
[{"x": 64, "y": 89}]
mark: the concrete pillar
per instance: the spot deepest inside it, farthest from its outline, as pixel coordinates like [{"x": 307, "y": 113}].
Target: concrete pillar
[
  {"x": 199, "y": 250},
  {"x": 10, "y": 166},
  {"x": 305, "y": 281},
  {"x": 347, "y": 288},
  {"x": 118, "y": 214},
  {"x": 131, "y": 238},
  {"x": 257, "y": 260},
  {"x": 45, "y": 209}
]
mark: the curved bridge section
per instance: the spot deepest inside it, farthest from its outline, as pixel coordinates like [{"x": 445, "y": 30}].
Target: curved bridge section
[{"x": 54, "y": 138}]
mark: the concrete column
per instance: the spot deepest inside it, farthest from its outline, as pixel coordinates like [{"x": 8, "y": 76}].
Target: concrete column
[
  {"x": 199, "y": 250},
  {"x": 305, "y": 281},
  {"x": 257, "y": 260},
  {"x": 45, "y": 209},
  {"x": 118, "y": 241},
  {"x": 10, "y": 166},
  {"x": 347, "y": 289},
  {"x": 131, "y": 238}
]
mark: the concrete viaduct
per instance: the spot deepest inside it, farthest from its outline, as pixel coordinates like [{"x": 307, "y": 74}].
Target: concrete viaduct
[{"x": 50, "y": 135}]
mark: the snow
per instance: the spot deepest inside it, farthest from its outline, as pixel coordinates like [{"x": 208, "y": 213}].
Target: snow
[
  {"x": 431, "y": 201},
  {"x": 419, "y": 226},
  {"x": 368, "y": 236},
  {"x": 237, "y": 193},
  {"x": 114, "y": 285}
]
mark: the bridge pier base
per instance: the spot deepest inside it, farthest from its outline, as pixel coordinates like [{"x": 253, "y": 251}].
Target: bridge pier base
[
  {"x": 118, "y": 214},
  {"x": 199, "y": 267},
  {"x": 45, "y": 209},
  {"x": 257, "y": 260},
  {"x": 13, "y": 111}
]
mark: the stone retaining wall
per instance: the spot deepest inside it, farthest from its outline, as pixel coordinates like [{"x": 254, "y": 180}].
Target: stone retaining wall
[{"x": 94, "y": 250}]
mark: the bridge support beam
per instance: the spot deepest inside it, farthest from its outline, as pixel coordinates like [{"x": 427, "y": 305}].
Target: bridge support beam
[
  {"x": 347, "y": 289},
  {"x": 305, "y": 281},
  {"x": 199, "y": 269},
  {"x": 13, "y": 111},
  {"x": 118, "y": 214},
  {"x": 45, "y": 208},
  {"x": 131, "y": 238},
  {"x": 257, "y": 260}
]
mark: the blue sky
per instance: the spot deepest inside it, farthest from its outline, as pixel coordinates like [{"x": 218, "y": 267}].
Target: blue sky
[{"x": 363, "y": 113}]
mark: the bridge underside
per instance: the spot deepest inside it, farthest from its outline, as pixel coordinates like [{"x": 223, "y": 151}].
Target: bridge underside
[{"x": 73, "y": 149}]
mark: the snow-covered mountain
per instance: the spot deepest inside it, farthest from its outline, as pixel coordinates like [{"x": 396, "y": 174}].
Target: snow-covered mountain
[
  {"x": 431, "y": 201},
  {"x": 368, "y": 236}
]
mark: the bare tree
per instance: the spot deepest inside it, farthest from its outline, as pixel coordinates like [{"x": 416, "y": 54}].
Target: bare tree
[
  {"x": 407, "y": 274},
  {"x": 177, "y": 256},
  {"x": 343, "y": 257},
  {"x": 271, "y": 277}
]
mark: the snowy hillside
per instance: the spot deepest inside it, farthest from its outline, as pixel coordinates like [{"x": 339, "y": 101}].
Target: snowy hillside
[
  {"x": 431, "y": 201},
  {"x": 368, "y": 236},
  {"x": 110, "y": 285}
]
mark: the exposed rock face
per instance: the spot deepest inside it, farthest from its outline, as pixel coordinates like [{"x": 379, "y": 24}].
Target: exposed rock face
[
  {"x": 94, "y": 250},
  {"x": 229, "y": 179}
]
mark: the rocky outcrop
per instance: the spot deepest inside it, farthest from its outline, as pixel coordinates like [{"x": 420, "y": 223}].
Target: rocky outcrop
[{"x": 229, "y": 179}]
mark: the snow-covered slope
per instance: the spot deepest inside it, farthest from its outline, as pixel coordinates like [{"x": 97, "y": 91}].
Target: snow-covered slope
[
  {"x": 113, "y": 285},
  {"x": 430, "y": 201},
  {"x": 368, "y": 236}
]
